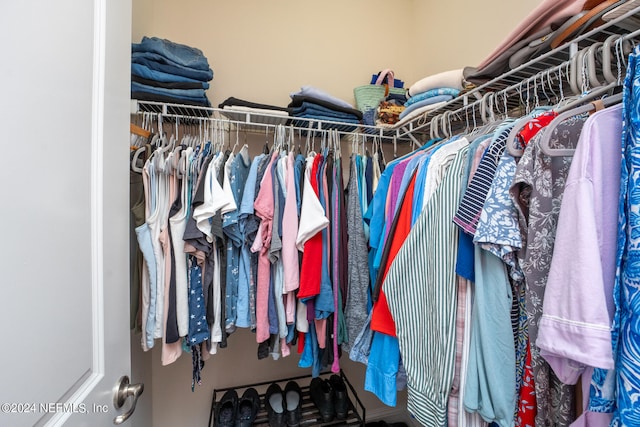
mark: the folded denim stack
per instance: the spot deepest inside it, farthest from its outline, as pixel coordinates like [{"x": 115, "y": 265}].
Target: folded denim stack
[
  {"x": 164, "y": 71},
  {"x": 313, "y": 103}
]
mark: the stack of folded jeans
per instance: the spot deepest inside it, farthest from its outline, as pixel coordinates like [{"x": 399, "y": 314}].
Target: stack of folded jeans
[
  {"x": 164, "y": 71},
  {"x": 309, "y": 107}
]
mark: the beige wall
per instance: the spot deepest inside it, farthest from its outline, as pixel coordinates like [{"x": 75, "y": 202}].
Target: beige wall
[
  {"x": 457, "y": 33},
  {"x": 263, "y": 50}
]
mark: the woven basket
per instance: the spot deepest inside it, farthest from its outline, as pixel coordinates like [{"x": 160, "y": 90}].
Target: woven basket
[{"x": 369, "y": 96}]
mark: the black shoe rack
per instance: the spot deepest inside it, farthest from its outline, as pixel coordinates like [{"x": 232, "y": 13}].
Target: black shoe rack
[{"x": 310, "y": 414}]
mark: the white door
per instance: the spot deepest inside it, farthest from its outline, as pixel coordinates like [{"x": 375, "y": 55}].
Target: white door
[{"x": 64, "y": 313}]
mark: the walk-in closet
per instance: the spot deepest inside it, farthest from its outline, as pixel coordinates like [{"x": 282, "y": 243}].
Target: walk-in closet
[{"x": 331, "y": 213}]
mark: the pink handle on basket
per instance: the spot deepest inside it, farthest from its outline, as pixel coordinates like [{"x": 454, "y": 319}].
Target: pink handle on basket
[{"x": 390, "y": 79}]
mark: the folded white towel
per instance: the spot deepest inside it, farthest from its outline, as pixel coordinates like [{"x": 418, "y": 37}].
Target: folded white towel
[{"x": 452, "y": 78}]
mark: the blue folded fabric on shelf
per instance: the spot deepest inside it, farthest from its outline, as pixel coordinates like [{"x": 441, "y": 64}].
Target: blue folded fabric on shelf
[
  {"x": 147, "y": 73},
  {"x": 431, "y": 93},
  {"x": 182, "y": 93},
  {"x": 158, "y": 63},
  {"x": 308, "y": 108},
  {"x": 314, "y": 92},
  {"x": 424, "y": 103},
  {"x": 297, "y": 100},
  {"x": 181, "y": 54}
]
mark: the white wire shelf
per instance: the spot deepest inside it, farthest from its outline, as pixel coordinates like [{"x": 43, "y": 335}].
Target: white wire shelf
[{"x": 260, "y": 122}]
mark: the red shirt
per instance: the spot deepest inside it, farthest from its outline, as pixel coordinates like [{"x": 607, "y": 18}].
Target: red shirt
[
  {"x": 311, "y": 268},
  {"x": 381, "y": 319}
]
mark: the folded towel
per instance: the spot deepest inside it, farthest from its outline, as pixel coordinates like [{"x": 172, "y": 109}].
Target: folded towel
[
  {"x": 314, "y": 92},
  {"x": 430, "y": 93},
  {"x": 429, "y": 101},
  {"x": 415, "y": 113},
  {"x": 452, "y": 78}
]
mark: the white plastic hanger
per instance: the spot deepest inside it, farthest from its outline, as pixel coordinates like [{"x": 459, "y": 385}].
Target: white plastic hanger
[{"x": 546, "y": 137}]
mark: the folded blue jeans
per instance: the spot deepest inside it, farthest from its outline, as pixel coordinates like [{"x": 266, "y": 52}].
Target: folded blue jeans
[
  {"x": 178, "y": 93},
  {"x": 151, "y": 61},
  {"x": 309, "y": 107},
  {"x": 148, "y": 96},
  {"x": 179, "y": 53},
  {"x": 160, "y": 76}
]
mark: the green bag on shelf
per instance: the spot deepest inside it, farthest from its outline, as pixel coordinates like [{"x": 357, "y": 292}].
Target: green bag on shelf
[{"x": 368, "y": 97}]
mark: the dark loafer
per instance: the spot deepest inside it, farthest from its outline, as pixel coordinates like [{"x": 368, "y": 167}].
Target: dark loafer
[
  {"x": 293, "y": 404},
  {"x": 340, "y": 398},
  {"x": 274, "y": 402},
  {"x": 248, "y": 407},
  {"x": 226, "y": 411},
  {"x": 322, "y": 396}
]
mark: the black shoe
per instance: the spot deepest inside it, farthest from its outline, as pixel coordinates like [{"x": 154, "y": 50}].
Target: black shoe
[
  {"x": 293, "y": 404},
  {"x": 226, "y": 410},
  {"x": 340, "y": 398},
  {"x": 322, "y": 395},
  {"x": 248, "y": 407},
  {"x": 274, "y": 402}
]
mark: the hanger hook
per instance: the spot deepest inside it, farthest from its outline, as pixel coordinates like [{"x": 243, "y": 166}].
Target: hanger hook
[{"x": 432, "y": 128}]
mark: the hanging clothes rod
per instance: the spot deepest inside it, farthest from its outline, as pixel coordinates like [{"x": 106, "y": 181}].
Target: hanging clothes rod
[{"x": 261, "y": 121}]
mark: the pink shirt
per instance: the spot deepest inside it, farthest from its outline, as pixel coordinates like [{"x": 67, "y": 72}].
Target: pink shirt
[{"x": 264, "y": 205}]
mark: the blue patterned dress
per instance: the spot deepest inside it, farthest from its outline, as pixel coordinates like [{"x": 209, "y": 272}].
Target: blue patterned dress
[{"x": 626, "y": 339}]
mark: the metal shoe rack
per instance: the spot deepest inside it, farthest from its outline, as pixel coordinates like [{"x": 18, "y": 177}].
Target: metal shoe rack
[{"x": 310, "y": 414}]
